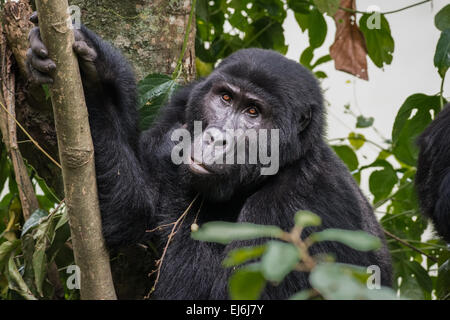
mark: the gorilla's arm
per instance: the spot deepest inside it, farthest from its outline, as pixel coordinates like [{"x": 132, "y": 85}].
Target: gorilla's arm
[
  {"x": 126, "y": 199},
  {"x": 433, "y": 173}
]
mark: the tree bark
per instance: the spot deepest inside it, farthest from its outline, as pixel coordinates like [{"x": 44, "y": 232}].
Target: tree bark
[
  {"x": 76, "y": 153},
  {"x": 148, "y": 32}
]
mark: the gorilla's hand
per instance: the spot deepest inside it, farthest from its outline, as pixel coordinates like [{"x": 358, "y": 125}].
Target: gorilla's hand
[{"x": 41, "y": 68}]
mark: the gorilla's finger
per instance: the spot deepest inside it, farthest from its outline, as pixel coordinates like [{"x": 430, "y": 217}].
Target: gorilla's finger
[
  {"x": 37, "y": 76},
  {"x": 36, "y": 43},
  {"x": 78, "y": 35},
  {"x": 84, "y": 51},
  {"x": 43, "y": 65},
  {"x": 34, "y": 17}
]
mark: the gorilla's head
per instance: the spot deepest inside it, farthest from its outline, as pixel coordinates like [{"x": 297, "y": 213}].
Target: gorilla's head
[{"x": 252, "y": 89}]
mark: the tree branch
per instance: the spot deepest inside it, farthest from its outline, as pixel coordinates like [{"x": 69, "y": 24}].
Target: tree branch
[{"x": 76, "y": 153}]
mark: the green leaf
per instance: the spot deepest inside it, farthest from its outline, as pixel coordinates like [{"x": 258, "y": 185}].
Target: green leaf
[
  {"x": 317, "y": 29},
  {"x": 242, "y": 255},
  {"x": 329, "y": 7},
  {"x": 408, "y": 126},
  {"x": 300, "y": 6},
  {"x": 381, "y": 182},
  {"x": 358, "y": 240},
  {"x": 356, "y": 140},
  {"x": 302, "y": 295},
  {"x": 379, "y": 42},
  {"x": 322, "y": 60},
  {"x": 306, "y": 57},
  {"x": 246, "y": 283},
  {"x": 280, "y": 259},
  {"x": 442, "y": 55},
  {"x": 337, "y": 281},
  {"x": 443, "y": 281},
  {"x": 442, "y": 18},
  {"x": 302, "y": 20},
  {"x": 34, "y": 220},
  {"x": 422, "y": 276},
  {"x": 6, "y": 248},
  {"x": 305, "y": 219},
  {"x": 16, "y": 282},
  {"x": 154, "y": 92},
  {"x": 363, "y": 122},
  {"x": 226, "y": 232},
  {"x": 348, "y": 156}
]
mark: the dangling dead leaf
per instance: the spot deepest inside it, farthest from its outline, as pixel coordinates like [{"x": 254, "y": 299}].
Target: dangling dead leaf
[{"x": 349, "y": 48}]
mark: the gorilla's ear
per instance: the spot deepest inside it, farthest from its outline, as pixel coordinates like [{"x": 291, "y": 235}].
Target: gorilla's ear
[{"x": 305, "y": 119}]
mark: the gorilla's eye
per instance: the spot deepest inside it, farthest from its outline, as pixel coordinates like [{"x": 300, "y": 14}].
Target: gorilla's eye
[
  {"x": 226, "y": 97},
  {"x": 252, "y": 111}
]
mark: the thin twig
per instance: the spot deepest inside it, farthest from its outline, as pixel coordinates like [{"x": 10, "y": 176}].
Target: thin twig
[
  {"x": 169, "y": 240},
  {"x": 410, "y": 246},
  {"x": 30, "y": 137},
  {"x": 386, "y": 12}
]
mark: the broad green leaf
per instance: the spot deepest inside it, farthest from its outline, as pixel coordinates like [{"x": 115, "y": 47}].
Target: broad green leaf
[
  {"x": 340, "y": 282},
  {"x": 246, "y": 283},
  {"x": 302, "y": 295},
  {"x": 356, "y": 140},
  {"x": 363, "y": 122},
  {"x": 379, "y": 42},
  {"x": 6, "y": 248},
  {"x": 358, "y": 240},
  {"x": 442, "y": 55},
  {"x": 34, "y": 220},
  {"x": 226, "y": 232},
  {"x": 16, "y": 282},
  {"x": 348, "y": 156},
  {"x": 154, "y": 91},
  {"x": 317, "y": 29},
  {"x": 280, "y": 259},
  {"x": 242, "y": 255},
  {"x": 443, "y": 281},
  {"x": 423, "y": 279},
  {"x": 329, "y": 7},
  {"x": 381, "y": 182},
  {"x": 412, "y": 118},
  {"x": 320, "y": 74},
  {"x": 302, "y": 20},
  {"x": 442, "y": 18},
  {"x": 300, "y": 6},
  {"x": 305, "y": 219}
]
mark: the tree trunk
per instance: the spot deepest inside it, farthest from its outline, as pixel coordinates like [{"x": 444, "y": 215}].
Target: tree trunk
[
  {"x": 76, "y": 152},
  {"x": 150, "y": 34}
]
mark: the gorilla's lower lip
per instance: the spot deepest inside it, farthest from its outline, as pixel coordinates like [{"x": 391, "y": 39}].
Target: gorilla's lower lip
[{"x": 198, "y": 167}]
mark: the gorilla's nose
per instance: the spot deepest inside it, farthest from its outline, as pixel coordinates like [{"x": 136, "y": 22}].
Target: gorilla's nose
[{"x": 215, "y": 137}]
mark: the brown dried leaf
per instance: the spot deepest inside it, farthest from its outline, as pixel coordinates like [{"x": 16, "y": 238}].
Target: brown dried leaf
[{"x": 349, "y": 48}]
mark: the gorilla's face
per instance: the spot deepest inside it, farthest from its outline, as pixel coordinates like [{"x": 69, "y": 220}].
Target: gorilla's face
[{"x": 246, "y": 118}]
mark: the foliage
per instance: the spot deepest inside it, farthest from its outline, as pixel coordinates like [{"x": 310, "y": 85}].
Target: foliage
[{"x": 273, "y": 261}]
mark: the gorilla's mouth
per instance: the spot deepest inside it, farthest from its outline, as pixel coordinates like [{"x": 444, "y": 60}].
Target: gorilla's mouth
[{"x": 198, "y": 167}]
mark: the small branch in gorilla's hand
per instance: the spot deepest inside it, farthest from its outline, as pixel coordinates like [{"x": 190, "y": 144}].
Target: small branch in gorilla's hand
[
  {"x": 169, "y": 239},
  {"x": 410, "y": 246}
]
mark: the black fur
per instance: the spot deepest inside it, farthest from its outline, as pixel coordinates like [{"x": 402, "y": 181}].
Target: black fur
[
  {"x": 433, "y": 173},
  {"x": 140, "y": 188}
]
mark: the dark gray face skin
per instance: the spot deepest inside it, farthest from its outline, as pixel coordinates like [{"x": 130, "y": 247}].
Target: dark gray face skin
[{"x": 227, "y": 106}]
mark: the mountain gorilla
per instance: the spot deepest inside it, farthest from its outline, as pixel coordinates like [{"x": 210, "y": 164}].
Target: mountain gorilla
[
  {"x": 141, "y": 188},
  {"x": 433, "y": 173}
]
